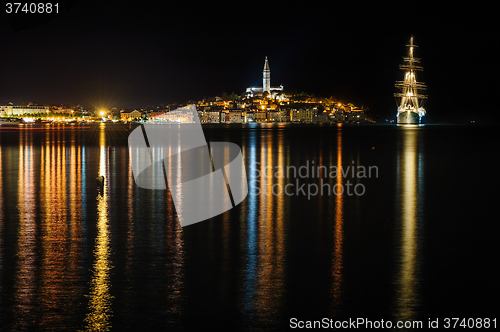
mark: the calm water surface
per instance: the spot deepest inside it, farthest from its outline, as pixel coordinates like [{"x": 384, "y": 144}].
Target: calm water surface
[{"x": 420, "y": 242}]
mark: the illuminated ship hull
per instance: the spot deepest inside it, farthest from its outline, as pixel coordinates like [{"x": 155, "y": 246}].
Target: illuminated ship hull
[{"x": 409, "y": 117}]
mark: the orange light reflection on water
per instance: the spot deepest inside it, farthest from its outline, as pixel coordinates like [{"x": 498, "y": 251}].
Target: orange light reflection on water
[{"x": 338, "y": 232}]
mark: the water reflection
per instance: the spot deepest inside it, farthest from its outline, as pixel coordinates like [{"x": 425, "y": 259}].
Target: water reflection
[
  {"x": 129, "y": 264},
  {"x": 1, "y": 227},
  {"x": 75, "y": 203},
  {"x": 250, "y": 268},
  {"x": 269, "y": 241},
  {"x": 337, "y": 260},
  {"x": 264, "y": 269},
  {"x": 54, "y": 225},
  {"x": 99, "y": 306},
  {"x": 175, "y": 242},
  {"x": 50, "y": 245},
  {"x": 26, "y": 236},
  {"x": 410, "y": 176}
]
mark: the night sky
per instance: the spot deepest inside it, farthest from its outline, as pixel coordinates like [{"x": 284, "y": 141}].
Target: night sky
[{"x": 138, "y": 53}]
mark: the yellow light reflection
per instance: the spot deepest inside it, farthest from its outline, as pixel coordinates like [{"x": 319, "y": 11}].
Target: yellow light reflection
[
  {"x": 99, "y": 314},
  {"x": 407, "y": 280}
]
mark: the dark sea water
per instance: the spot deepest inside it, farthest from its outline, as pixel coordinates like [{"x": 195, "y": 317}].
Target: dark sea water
[{"x": 418, "y": 240}]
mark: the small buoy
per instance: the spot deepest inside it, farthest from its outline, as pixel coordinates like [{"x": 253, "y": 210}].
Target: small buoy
[{"x": 373, "y": 148}]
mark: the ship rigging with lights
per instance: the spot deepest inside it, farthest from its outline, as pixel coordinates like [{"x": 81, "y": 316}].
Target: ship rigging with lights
[{"x": 409, "y": 96}]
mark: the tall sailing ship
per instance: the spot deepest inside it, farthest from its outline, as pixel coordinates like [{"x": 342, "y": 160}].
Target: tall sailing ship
[{"x": 409, "y": 97}]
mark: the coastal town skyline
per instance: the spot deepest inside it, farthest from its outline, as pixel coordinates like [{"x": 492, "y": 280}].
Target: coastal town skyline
[
  {"x": 135, "y": 56},
  {"x": 265, "y": 103}
]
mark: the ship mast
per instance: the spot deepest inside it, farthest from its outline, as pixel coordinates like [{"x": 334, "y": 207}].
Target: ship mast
[{"x": 409, "y": 87}]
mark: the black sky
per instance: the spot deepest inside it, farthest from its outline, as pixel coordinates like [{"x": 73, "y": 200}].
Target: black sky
[{"x": 137, "y": 53}]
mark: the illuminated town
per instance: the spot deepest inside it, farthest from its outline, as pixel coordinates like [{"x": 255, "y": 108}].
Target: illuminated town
[
  {"x": 264, "y": 104},
  {"x": 248, "y": 166}
]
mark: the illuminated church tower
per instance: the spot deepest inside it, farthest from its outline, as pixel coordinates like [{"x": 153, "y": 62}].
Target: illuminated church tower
[
  {"x": 273, "y": 91},
  {"x": 266, "y": 78}
]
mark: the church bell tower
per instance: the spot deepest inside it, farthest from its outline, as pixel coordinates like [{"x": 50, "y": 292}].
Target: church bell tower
[{"x": 266, "y": 78}]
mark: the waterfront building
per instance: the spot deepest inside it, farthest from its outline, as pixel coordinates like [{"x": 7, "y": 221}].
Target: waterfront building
[
  {"x": 61, "y": 110},
  {"x": 249, "y": 117},
  {"x": 208, "y": 116},
  {"x": 338, "y": 115},
  {"x": 273, "y": 116},
  {"x": 235, "y": 117},
  {"x": 302, "y": 115},
  {"x": 260, "y": 116},
  {"x": 224, "y": 117},
  {"x": 12, "y": 110},
  {"x": 129, "y": 116},
  {"x": 180, "y": 116},
  {"x": 356, "y": 115},
  {"x": 322, "y": 117},
  {"x": 154, "y": 114}
]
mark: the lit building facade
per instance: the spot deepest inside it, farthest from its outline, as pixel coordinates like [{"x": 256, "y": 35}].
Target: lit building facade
[
  {"x": 303, "y": 115},
  {"x": 129, "y": 116},
  {"x": 180, "y": 116},
  {"x": 11, "y": 110}
]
